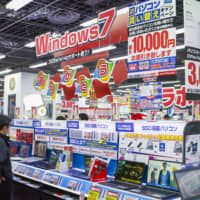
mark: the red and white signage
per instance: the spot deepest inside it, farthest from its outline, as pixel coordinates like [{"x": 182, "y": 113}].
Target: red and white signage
[
  {"x": 45, "y": 43},
  {"x": 58, "y": 139},
  {"x": 154, "y": 51},
  {"x": 42, "y": 138},
  {"x": 192, "y": 76}
]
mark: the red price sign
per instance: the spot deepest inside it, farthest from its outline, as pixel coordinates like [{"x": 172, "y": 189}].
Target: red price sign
[
  {"x": 151, "y": 41},
  {"x": 192, "y": 76},
  {"x": 152, "y": 45}
]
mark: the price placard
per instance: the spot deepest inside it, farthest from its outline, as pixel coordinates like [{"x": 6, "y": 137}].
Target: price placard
[
  {"x": 154, "y": 51},
  {"x": 192, "y": 73},
  {"x": 94, "y": 193}
]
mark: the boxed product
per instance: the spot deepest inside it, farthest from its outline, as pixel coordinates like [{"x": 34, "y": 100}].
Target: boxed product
[{"x": 65, "y": 159}]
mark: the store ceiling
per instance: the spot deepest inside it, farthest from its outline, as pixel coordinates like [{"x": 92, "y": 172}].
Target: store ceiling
[{"x": 18, "y": 28}]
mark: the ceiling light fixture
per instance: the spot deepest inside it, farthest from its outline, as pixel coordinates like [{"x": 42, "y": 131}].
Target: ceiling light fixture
[
  {"x": 122, "y": 91},
  {"x": 88, "y": 23},
  {"x": 168, "y": 82},
  {"x": 180, "y": 47},
  {"x": 30, "y": 44},
  {"x": 17, "y": 4},
  {"x": 38, "y": 65},
  {"x": 77, "y": 66},
  {"x": 180, "y": 31},
  {"x": 119, "y": 58},
  {"x": 127, "y": 86},
  {"x": 2, "y": 56},
  {"x": 110, "y": 47},
  {"x": 180, "y": 68},
  {"x": 6, "y": 71},
  {"x": 60, "y": 70},
  {"x": 123, "y": 11}
]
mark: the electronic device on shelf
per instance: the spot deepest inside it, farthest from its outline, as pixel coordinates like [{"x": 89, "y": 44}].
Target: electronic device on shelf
[
  {"x": 47, "y": 164},
  {"x": 24, "y": 150},
  {"x": 128, "y": 175},
  {"x": 161, "y": 181},
  {"x": 188, "y": 183},
  {"x": 85, "y": 174},
  {"x": 13, "y": 148}
]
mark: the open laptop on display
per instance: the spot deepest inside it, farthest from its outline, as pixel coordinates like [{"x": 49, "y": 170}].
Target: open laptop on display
[
  {"x": 188, "y": 181},
  {"x": 161, "y": 182},
  {"x": 84, "y": 175},
  {"x": 128, "y": 175},
  {"x": 48, "y": 164}
]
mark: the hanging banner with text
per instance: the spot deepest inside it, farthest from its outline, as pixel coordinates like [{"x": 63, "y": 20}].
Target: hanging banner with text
[
  {"x": 192, "y": 49},
  {"x": 152, "y": 38}
]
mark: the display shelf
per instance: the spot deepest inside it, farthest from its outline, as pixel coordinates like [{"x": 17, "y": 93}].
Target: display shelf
[
  {"x": 62, "y": 181},
  {"x": 122, "y": 194},
  {"x": 74, "y": 185}
]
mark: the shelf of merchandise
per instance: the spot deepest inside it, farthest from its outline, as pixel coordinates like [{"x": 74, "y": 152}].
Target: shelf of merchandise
[{"x": 65, "y": 181}]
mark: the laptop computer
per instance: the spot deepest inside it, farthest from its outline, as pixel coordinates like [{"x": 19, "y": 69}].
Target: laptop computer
[
  {"x": 161, "y": 182},
  {"x": 188, "y": 181},
  {"x": 84, "y": 174},
  {"x": 128, "y": 175},
  {"x": 48, "y": 164}
]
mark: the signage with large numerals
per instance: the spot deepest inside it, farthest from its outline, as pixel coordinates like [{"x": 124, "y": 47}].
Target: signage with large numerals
[{"x": 192, "y": 73}]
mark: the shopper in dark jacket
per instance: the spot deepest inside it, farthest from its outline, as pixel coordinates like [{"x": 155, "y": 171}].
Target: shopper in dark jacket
[{"x": 5, "y": 165}]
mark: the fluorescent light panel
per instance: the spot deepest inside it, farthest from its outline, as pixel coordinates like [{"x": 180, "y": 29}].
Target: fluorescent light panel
[
  {"x": 17, "y": 4},
  {"x": 2, "y": 56},
  {"x": 77, "y": 67},
  {"x": 164, "y": 83},
  {"x": 38, "y": 65},
  {"x": 72, "y": 67},
  {"x": 60, "y": 70},
  {"x": 180, "y": 47},
  {"x": 180, "y": 68},
  {"x": 123, "y": 11},
  {"x": 119, "y": 58},
  {"x": 110, "y": 47},
  {"x": 127, "y": 86},
  {"x": 6, "y": 71},
  {"x": 179, "y": 31},
  {"x": 30, "y": 44}
]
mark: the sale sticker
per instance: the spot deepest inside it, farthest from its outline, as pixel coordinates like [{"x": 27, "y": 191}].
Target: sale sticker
[{"x": 192, "y": 74}]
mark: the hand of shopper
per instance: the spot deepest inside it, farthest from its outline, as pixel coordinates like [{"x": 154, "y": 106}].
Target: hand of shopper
[{"x": 2, "y": 179}]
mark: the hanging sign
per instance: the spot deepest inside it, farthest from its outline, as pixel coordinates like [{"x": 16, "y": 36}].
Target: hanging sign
[
  {"x": 68, "y": 76},
  {"x": 40, "y": 82},
  {"x": 52, "y": 89},
  {"x": 103, "y": 70},
  {"x": 192, "y": 49},
  {"x": 46, "y": 44},
  {"x": 84, "y": 85},
  {"x": 152, "y": 37}
]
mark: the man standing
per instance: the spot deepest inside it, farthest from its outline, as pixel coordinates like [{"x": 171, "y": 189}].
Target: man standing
[{"x": 5, "y": 165}]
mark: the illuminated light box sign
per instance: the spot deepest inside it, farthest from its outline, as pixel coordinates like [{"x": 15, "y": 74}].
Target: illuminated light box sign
[{"x": 161, "y": 139}]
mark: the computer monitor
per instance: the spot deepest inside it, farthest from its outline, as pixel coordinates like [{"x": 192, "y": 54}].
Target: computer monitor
[
  {"x": 188, "y": 181},
  {"x": 161, "y": 174},
  {"x": 24, "y": 150},
  {"x": 130, "y": 171},
  {"x": 13, "y": 148}
]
